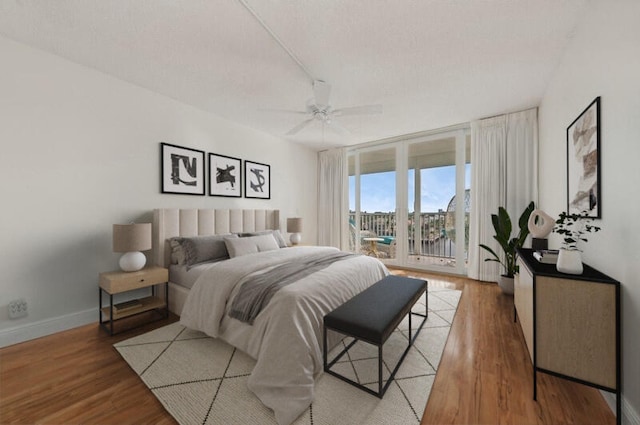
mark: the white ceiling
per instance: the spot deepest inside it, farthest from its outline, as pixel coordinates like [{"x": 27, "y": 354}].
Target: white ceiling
[{"x": 430, "y": 63}]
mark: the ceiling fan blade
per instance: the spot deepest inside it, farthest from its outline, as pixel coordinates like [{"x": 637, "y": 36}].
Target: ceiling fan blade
[
  {"x": 321, "y": 92},
  {"x": 287, "y": 111},
  {"x": 299, "y": 127},
  {"x": 337, "y": 127},
  {"x": 357, "y": 110}
]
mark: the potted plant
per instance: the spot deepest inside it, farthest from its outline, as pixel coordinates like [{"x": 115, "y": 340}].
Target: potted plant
[
  {"x": 502, "y": 225},
  {"x": 572, "y": 228}
]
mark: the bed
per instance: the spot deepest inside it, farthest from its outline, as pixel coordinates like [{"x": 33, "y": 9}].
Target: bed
[
  {"x": 284, "y": 335},
  {"x": 170, "y": 222}
]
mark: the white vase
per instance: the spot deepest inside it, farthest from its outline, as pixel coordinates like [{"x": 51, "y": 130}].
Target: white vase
[
  {"x": 569, "y": 261},
  {"x": 506, "y": 284}
]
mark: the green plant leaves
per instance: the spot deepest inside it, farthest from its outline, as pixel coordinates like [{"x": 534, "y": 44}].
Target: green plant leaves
[
  {"x": 503, "y": 228},
  {"x": 572, "y": 227}
]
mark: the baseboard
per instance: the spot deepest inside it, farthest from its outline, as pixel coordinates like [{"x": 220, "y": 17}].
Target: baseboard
[
  {"x": 629, "y": 414},
  {"x": 46, "y": 327}
]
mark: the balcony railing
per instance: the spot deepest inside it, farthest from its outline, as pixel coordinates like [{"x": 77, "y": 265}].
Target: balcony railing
[{"x": 434, "y": 240}]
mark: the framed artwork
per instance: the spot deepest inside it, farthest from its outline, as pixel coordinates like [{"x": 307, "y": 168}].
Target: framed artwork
[
  {"x": 257, "y": 179},
  {"x": 583, "y": 163},
  {"x": 225, "y": 176},
  {"x": 182, "y": 170}
]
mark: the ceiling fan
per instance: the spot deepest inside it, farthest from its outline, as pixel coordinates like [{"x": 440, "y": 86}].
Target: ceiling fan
[{"x": 319, "y": 109}]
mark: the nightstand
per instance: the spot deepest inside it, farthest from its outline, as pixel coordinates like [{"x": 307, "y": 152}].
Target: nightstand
[{"x": 117, "y": 282}]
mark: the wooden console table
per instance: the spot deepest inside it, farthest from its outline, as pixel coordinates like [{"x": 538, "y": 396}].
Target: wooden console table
[{"x": 571, "y": 324}]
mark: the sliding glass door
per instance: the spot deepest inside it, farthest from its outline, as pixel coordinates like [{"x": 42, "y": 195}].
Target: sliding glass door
[
  {"x": 372, "y": 214},
  {"x": 421, "y": 221},
  {"x": 436, "y": 216}
]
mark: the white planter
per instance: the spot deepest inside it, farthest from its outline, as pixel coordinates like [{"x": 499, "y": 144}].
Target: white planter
[
  {"x": 506, "y": 284},
  {"x": 569, "y": 261}
]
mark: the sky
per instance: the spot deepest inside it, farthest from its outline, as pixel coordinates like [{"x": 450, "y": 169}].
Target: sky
[{"x": 379, "y": 189}]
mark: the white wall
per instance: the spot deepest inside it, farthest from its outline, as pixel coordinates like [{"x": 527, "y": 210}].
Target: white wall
[
  {"x": 603, "y": 59},
  {"x": 80, "y": 152}
]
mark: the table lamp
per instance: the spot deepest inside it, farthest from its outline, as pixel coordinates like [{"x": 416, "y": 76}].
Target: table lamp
[
  {"x": 294, "y": 226},
  {"x": 131, "y": 239}
]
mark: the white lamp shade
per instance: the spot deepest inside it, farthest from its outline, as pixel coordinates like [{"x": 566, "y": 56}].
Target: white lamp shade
[
  {"x": 294, "y": 225},
  {"x": 131, "y": 237}
]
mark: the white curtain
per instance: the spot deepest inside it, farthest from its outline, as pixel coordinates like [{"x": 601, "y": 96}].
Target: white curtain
[
  {"x": 488, "y": 155},
  {"x": 332, "y": 197},
  {"x": 504, "y": 163},
  {"x": 522, "y": 161}
]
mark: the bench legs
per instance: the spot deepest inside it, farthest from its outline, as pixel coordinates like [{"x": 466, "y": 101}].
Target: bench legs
[{"x": 381, "y": 389}]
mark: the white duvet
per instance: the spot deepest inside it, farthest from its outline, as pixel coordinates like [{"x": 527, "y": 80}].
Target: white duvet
[{"x": 286, "y": 337}]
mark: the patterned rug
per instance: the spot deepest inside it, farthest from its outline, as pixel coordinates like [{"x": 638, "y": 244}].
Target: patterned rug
[{"x": 203, "y": 380}]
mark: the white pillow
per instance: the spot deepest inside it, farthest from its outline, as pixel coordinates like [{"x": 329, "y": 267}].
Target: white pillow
[
  {"x": 250, "y": 245},
  {"x": 276, "y": 234}
]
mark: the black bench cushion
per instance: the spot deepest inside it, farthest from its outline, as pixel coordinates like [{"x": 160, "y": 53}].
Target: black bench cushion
[{"x": 375, "y": 312}]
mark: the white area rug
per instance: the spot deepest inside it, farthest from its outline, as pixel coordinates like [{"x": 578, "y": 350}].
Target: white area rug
[{"x": 202, "y": 380}]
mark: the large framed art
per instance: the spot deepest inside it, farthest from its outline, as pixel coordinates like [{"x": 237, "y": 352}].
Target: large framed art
[
  {"x": 225, "y": 176},
  {"x": 182, "y": 170},
  {"x": 583, "y": 163},
  {"x": 257, "y": 179}
]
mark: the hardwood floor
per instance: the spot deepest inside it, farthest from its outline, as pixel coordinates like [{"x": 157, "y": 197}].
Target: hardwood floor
[
  {"x": 485, "y": 377},
  {"x": 76, "y": 377}
]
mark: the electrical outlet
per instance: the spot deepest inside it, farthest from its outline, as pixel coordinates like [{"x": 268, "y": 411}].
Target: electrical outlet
[{"x": 17, "y": 308}]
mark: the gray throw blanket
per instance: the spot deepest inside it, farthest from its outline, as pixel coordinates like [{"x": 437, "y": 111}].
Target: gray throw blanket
[{"x": 256, "y": 292}]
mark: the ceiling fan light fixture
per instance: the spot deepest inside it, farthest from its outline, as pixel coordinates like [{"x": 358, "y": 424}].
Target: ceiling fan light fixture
[{"x": 319, "y": 109}]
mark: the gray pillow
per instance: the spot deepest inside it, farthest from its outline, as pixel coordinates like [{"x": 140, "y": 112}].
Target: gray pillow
[
  {"x": 277, "y": 235},
  {"x": 250, "y": 244},
  {"x": 187, "y": 251}
]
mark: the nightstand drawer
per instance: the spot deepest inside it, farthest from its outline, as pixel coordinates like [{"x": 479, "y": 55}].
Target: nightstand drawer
[{"x": 115, "y": 282}]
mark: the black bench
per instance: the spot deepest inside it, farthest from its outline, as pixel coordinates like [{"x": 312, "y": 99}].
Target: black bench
[{"x": 371, "y": 316}]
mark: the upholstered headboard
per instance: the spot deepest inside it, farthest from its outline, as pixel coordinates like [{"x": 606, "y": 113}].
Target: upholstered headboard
[{"x": 169, "y": 223}]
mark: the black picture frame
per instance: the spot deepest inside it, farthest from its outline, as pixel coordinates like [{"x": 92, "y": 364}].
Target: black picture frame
[
  {"x": 225, "y": 176},
  {"x": 182, "y": 170},
  {"x": 257, "y": 177},
  {"x": 584, "y": 182}
]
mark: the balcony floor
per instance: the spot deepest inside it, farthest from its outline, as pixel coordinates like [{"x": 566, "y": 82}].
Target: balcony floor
[{"x": 420, "y": 260}]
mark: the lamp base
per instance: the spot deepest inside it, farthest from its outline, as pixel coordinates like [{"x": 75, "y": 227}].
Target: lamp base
[
  {"x": 295, "y": 238},
  {"x": 132, "y": 261}
]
